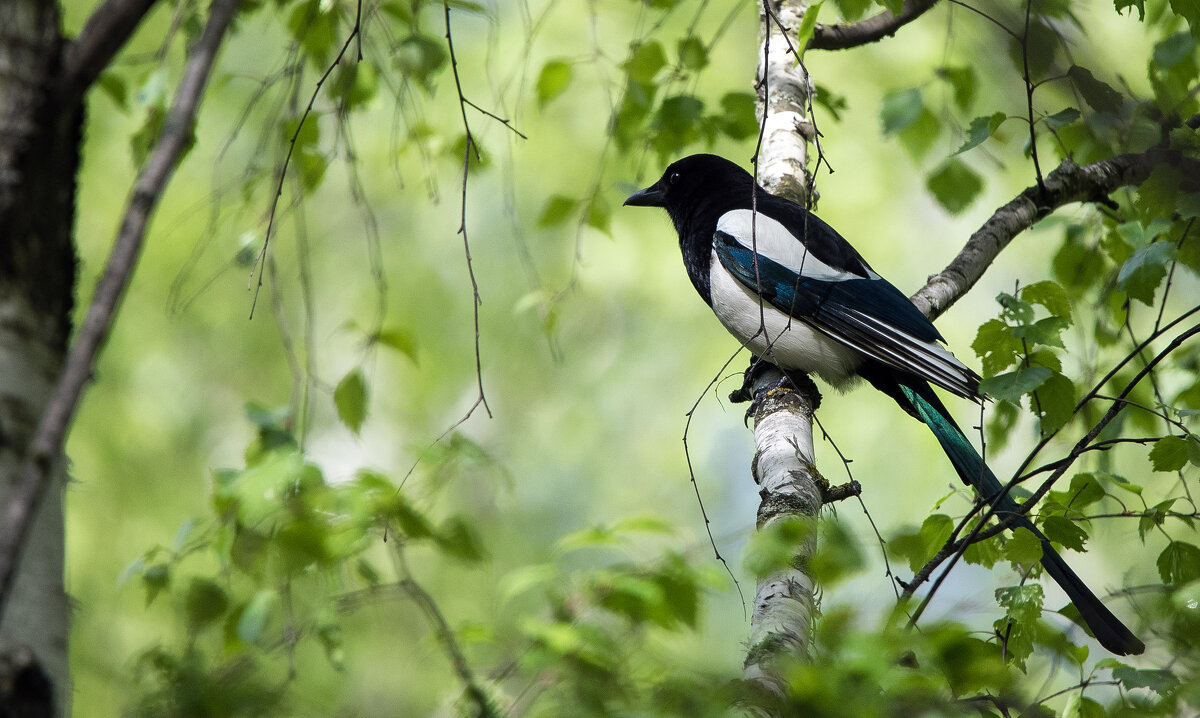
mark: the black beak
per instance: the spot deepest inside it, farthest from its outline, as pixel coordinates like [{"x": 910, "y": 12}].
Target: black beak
[{"x": 652, "y": 196}]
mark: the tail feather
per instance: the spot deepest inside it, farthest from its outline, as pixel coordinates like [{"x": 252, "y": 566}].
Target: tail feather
[{"x": 924, "y": 404}]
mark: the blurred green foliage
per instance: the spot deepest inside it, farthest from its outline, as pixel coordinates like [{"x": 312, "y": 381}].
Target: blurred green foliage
[{"x": 312, "y": 512}]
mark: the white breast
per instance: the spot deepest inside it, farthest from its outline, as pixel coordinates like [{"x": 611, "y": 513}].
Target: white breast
[{"x": 787, "y": 342}]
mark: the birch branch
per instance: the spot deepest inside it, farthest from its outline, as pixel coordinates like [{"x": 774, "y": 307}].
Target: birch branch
[
  {"x": 1068, "y": 183},
  {"x": 33, "y": 475},
  {"x": 843, "y": 36}
]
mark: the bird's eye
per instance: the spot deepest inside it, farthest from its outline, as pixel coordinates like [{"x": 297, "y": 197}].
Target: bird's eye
[{"x": 673, "y": 178}]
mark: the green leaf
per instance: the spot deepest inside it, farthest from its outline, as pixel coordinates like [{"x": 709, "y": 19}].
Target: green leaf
[
  {"x": 419, "y": 57},
  {"x": 919, "y": 547},
  {"x": 1122, "y": 5},
  {"x": 1160, "y": 681},
  {"x": 1097, "y": 93},
  {"x": 1023, "y": 548},
  {"x": 962, "y": 81},
  {"x": 645, "y": 61},
  {"x": 1050, "y": 295},
  {"x": 955, "y": 185},
  {"x": 400, "y": 339},
  {"x": 1012, "y": 385},
  {"x": 737, "y": 118},
  {"x": 598, "y": 214},
  {"x": 1188, "y": 10},
  {"x": 1064, "y": 532},
  {"x": 1170, "y": 453},
  {"x": 981, "y": 128},
  {"x": 204, "y": 603},
  {"x": 852, "y": 10},
  {"x": 1046, "y": 331},
  {"x": 1179, "y": 563},
  {"x": 154, "y": 579},
  {"x": 552, "y": 81},
  {"x": 901, "y": 109},
  {"x": 1055, "y": 403},
  {"x": 1062, "y": 118},
  {"x": 254, "y": 616},
  {"x": 805, "y": 32},
  {"x": 693, "y": 55},
  {"x": 1145, "y": 269},
  {"x": 996, "y": 346},
  {"x": 458, "y": 539},
  {"x": 1174, "y": 49},
  {"x": 556, "y": 211},
  {"x": 350, "y": 398},
  {"x": 354, "y": 84}
]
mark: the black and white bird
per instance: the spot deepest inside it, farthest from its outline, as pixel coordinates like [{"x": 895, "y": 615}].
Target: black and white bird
[{"x": 794, "y": 292}]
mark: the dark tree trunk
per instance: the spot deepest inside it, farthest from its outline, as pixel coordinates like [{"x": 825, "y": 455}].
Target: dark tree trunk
[{"x": 39, "y": 156}]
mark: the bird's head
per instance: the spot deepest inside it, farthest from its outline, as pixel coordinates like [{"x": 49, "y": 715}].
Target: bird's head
[{"x": 697, "y": 188}]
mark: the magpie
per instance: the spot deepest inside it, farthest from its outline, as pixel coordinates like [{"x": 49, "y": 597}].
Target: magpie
[{"x": 793, "y": 291}]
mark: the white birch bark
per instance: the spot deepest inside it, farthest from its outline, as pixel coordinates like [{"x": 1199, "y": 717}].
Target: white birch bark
[{"x": 784, "y": 602}]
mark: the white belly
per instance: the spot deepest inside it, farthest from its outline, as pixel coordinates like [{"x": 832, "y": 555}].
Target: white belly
[{"x": 787, "y": 342}]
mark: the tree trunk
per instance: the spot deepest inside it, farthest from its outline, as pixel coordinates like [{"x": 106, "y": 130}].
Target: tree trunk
[
  {"x": 39, "y": 156},
  {"x": 784, "y": 603}
]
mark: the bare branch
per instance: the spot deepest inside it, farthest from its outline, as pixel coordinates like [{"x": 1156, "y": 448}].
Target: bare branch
[
  {"x": 102, "y": 36},
  {"x": 46, "y": 445},
  {"x": 843, "y": 36},
  {"x": 1068, "y": 183}
]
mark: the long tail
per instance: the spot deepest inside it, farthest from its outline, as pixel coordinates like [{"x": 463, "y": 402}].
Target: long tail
[{"x": 924, "y": 404}]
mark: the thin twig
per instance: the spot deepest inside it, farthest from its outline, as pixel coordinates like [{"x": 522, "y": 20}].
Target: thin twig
[
  {"x": 33, "y": 476},
  {"x": 462, "y": 225},
  {"x": 287, "y": 160}
]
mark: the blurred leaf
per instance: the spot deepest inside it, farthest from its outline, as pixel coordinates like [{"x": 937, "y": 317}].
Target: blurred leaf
[
  {"x": 1160, "y": 681},
  {"x": 556, "y": 211},
  {"x": 155, "y": 578},
  {"x": 204, "y": 602},
  {"x": 737, "y": 118},
  {"x": 1012, "y": 385},
  {"x": 458, "y": 539},
  {"x": 645, "y": 61},
  {"x": 1145, "y": 269},
  {"x": 918, "y": 548},
  {"x": 901, "y": 109},
  {"x": 1097, "y": 93},
  {"x": 399, "y": 338},
  {"x": 419, "y": 57},
  {"x": 852, "y": 10},
  {"x": 962, "y": 81},
  {"x": 552, "y": 81},
  {"x": 350, "y": 398},
  {"x": 254, "y": 616},
  {"x": 1179, "y": 563},
  {"x": 1062, "y": 118},
  {"x": 693, "y": 55},
  {"x": 1188, "y": 10},
  {"x": 354, "y": 84},
  {"x": 774, "y": 547},
  {"x": 955, "y": 185},
  {"x": 598, "y": 214}
]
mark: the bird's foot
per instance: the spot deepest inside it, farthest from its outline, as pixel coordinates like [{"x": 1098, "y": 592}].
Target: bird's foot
[{"x": 762, "y": 377}]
